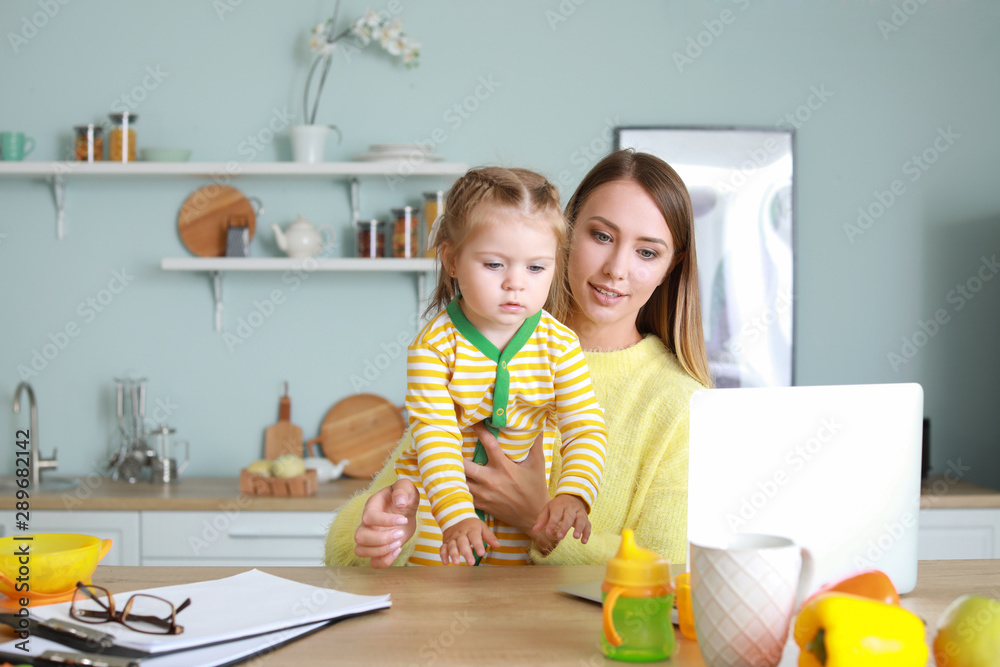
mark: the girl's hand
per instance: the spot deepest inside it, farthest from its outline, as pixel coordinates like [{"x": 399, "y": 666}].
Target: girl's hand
[
  {"x": 462, "y": 538},
  {"x": 562, "y": 513},
  {"x": 514, "y": 493},
  {"x": 387, "y": 522}
]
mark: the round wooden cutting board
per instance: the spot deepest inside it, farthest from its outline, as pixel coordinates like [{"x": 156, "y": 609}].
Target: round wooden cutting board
[
  {"x": 207, "y": 213},
  {"x": 363, "y": 429}
]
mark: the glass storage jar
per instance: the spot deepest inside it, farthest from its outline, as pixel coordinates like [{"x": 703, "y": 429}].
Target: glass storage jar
[
  {"x": 121, "y": 139},
  {"x": 88, "y": 146},
  {"x": 433, "y": 208},
  {"x": 371, "y": 238},
  {"x": 404, "y": 232}
]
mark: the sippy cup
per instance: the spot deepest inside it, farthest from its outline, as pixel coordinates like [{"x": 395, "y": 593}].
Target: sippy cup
[{"x": 638, "y": 597}]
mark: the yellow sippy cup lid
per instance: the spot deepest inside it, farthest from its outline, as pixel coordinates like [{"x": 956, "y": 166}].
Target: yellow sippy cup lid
[{"x": 635, "y": 566}]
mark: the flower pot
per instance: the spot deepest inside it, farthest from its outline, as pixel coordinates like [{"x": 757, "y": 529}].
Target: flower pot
[{"x": 309, "y": 142}]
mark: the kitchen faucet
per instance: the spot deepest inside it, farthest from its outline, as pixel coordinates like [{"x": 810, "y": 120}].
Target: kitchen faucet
[{"x": 38, "y": 462}]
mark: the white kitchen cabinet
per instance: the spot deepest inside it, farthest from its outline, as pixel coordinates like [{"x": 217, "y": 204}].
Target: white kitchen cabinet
[
  {"x": 192, "y": 538},
  {"x": 234, "y": 538},
  {"x": 122, "y": 528},
  {"x": 947, "y": 534}
]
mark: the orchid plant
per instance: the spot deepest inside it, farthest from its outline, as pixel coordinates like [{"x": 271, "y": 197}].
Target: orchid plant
[{"x": 374, "y": 27}]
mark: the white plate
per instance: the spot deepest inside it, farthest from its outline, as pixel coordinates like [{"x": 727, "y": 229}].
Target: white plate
[
  {"x": 411, "y": 156},
  {"x": 398, "y": 148}
]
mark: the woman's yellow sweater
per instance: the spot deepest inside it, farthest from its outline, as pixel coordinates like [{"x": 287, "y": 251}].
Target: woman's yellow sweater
[{"x": 645, "y": 394}]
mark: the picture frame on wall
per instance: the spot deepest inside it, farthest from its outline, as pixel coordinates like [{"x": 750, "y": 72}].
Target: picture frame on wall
[{"x": 742, "y": 186}]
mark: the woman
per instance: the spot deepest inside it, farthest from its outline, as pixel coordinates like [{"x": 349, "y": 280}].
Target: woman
[{"x": 633, "y": 276}]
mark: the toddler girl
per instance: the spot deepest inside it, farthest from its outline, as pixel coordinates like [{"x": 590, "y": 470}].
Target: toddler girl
[{"x": 493, "y": 354}]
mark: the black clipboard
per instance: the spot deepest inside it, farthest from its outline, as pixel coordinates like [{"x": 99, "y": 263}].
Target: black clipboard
[{"x": 84, "y": 646}]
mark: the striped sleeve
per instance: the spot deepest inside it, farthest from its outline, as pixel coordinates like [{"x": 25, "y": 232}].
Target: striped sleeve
[
  {"x": 436, "y": 436},
  {"x": 581, "y": 424}
]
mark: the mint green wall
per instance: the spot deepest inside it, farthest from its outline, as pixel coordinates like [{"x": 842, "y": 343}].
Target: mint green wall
[{"x": 562, "y": 74}]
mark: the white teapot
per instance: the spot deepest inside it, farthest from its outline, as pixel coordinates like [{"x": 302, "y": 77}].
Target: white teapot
[{"x": 302, "y": 239}]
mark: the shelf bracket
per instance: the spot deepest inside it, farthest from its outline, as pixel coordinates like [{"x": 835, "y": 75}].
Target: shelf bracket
[
  {"x": 355, "y": 202},
  {"x": 421, "y": 290},
  {"x": 58, "y": 184},
  {"x": 217, "y": 292},
  {"x": 423, "y": 297}
]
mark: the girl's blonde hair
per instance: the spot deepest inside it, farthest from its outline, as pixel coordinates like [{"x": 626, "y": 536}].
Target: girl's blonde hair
[
  {"x": 519, "y": 190},
  {"x": 673, "y": 311}
]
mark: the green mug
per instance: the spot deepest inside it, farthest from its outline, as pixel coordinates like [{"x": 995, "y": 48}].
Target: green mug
[{"x": 15, "y": 146}]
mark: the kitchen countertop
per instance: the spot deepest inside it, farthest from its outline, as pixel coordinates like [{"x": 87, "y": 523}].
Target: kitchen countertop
[
  {"x": 212, "y": 493},
  {"x": 950, "y": 492},
  {"x": 188, "y": 494}
]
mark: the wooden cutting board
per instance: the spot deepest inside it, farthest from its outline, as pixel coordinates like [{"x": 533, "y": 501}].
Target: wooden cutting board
[
  {"x": 207, "y": 213},
  {"x": 283, "y": 437},
  {"x": 363, "y": 429}
]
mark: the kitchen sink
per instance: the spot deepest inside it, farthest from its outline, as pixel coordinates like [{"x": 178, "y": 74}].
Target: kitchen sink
[{"x": 47, "y": 484}]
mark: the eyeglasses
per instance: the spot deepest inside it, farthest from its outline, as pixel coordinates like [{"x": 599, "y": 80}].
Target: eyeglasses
[{"x": 143, "y": 613}]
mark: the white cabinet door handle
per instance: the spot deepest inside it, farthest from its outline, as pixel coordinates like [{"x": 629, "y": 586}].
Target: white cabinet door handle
[{"x": 249, "y": 533}]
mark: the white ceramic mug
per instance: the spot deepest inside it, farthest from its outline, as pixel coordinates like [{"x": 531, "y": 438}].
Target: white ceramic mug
[{"x": 744, "y": 596}]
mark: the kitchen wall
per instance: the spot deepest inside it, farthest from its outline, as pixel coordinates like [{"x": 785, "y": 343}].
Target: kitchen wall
[{"x": 882, "y": 95}]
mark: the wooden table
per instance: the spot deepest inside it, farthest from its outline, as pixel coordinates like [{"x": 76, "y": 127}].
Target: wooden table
[{"x": 494, "y": 616}]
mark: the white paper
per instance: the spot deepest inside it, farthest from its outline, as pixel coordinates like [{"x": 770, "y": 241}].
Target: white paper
[{"x": 249, "y": 603}]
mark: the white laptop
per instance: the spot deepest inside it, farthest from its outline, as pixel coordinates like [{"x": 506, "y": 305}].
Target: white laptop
[{"x": 835, "y": 468}]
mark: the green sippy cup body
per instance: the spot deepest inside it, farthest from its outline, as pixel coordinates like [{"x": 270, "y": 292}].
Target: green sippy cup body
[{"x": 637, "y": 600}]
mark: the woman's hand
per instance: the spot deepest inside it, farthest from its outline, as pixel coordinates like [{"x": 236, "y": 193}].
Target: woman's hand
[
  {"x": 387, "y": 522},
  {"x": 515, "y": 493}
]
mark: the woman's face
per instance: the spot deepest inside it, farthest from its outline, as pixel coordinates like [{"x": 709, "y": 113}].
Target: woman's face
[{"x": 621, "y": 251}]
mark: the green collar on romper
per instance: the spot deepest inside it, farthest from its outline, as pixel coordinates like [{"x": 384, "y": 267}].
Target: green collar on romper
[{"x": 501, "y": 388}]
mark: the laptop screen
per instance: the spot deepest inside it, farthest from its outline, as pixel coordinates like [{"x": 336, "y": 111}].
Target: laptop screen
[{"x": 835, "y": 468}]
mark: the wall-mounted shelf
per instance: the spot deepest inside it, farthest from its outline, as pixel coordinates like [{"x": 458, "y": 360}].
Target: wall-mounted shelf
[
  {"x": 402, "y": 168},
  {"x": 57, "y": 173},
  {"x": 213, "y": 264},
  {"x": 216, "y": 266}
]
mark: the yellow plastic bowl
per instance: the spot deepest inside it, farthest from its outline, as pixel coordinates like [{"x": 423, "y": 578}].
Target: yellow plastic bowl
[{"x": 55, "y": 562}]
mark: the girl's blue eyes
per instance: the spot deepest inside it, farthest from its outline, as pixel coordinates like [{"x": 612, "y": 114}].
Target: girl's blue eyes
[
  {"x": 497, "y": 265},
  {"x": 602, "y": 237}
]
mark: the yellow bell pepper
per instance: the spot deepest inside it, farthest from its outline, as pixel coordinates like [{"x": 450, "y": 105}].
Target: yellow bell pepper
[{"x": 844, "y": 630}]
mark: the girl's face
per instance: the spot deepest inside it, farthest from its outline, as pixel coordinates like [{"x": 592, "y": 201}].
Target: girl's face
[
  {"x": 621, "y": 251},
  {"x": 504, "y": 270}
]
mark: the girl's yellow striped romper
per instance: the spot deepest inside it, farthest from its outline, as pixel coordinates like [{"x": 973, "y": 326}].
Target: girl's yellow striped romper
[{"x": 455, "y": 378}]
